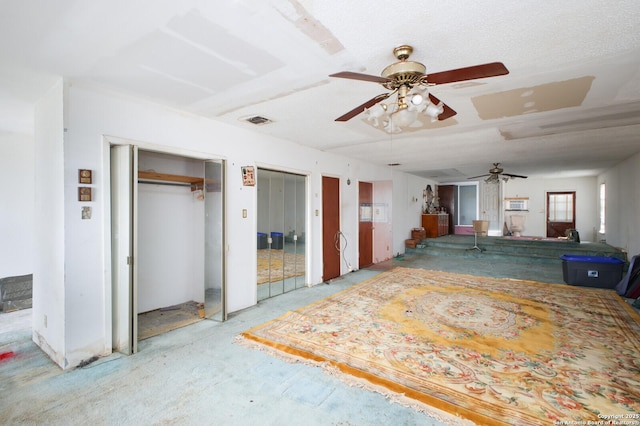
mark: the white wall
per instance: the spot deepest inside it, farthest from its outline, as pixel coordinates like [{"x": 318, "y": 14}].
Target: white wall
[
  {"x": 382, "y": 220},
  {"x": 92, "y": 115},
  {"x": 49, "y": 303},
  {"x": 408, "y": 204},
  {"x": 622, "y": 205},
  {"x": 536, "y": 190},
  {"x": 17, "y": 204}
]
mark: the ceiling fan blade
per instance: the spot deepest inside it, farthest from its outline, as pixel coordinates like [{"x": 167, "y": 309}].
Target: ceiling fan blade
[
  {"x": 476, "y": 177},
  {"x": 447, "y": 113},
  {"x": 363, "y": 77},
  {"x": 469, "y": 73},
  {"x": 514, "y": 176},
  {"x": 357, "y": 110}
]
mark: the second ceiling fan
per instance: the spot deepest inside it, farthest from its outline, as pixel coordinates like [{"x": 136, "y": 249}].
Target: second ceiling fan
[
  {"x": 495, "y": 173},
  {"x": 409, "y": 80}
]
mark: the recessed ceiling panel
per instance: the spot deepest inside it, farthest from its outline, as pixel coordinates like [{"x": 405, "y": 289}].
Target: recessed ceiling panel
[
  {"x": 444, "y": 174},
  {"x": 189, "y": 61},
  {"x": 526, "y": 100},
  {"x": 154, "y": 64},
  {"x": 620, "y": 116},
  {"x": 185, "y": 61},
  {"x": 216, "y": 41},
  {"x": 152, "y": 84}
]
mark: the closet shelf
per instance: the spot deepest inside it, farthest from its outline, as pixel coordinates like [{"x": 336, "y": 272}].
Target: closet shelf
[{"x": 195, "y": 182}]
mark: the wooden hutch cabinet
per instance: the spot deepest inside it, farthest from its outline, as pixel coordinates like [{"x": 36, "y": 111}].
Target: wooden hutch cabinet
[{"x": 435, "y": 225}]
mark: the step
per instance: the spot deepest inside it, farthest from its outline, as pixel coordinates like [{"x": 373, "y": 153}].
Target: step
[
  {"x": 16, "y": 293},
  {"x": 529, "y": 251},
  {"x": 469, "y": 253}
]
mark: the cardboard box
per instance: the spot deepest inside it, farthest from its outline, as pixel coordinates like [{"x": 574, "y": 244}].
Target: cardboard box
[
  {"x": 591, "y": 271},
  {"x": 418, "y": 234},
  {"x": 410, "y": 243}
]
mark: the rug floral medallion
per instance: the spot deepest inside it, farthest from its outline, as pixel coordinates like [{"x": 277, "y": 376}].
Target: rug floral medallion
[{"x": 487, "y": 350}]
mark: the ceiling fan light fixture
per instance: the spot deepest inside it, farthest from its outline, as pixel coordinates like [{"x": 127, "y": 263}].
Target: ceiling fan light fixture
[
  {"x": 404, "y": 117},
  {"x": 492, "y": 179},
  {"x": 416, "y": 99},
  {"x": 434, "y": 111},
  {"x": 375, "y": 113},
  {"x": 410, "y": 80}
]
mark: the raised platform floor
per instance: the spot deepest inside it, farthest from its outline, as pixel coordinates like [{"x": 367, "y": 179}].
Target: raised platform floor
[{"x": 527, "y": 250}]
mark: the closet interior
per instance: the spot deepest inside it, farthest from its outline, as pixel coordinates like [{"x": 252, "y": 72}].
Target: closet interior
[{"x": 179, "y": 235}]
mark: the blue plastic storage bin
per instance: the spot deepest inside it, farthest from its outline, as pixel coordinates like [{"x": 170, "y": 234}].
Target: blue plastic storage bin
[
  {"x": 591, "y": 271},
  {"x": 262, "y": 240},
  {"x": 277, "y": 240}
]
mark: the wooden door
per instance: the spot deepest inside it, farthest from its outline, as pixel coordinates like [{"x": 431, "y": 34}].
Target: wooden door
[
  {"x": 365, "y": 227},
  {"x": 331, "y": 239},
  {"x": 447, "y": 198},
  {"x": 561, "y": 213}
]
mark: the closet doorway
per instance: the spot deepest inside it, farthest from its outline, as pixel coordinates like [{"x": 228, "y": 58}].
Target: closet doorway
[
  {"x": 281, "y": 239},
  {"x": 167, "y": 240}
]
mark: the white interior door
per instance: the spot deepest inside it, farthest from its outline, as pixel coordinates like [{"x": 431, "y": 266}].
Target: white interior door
[
  {"x": 490, "y": 206},
  {"x": 124, "y": 166}
]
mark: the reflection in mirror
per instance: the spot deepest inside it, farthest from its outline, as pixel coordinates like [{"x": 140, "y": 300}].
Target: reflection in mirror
[
  {"x": 281, "y": 232},
  {"x": 301, "y": 226}
]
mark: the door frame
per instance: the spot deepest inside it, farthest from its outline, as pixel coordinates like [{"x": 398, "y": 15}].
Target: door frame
[
  {"x": 108, "y": 142},
  {"x": 547, "y": 221}
]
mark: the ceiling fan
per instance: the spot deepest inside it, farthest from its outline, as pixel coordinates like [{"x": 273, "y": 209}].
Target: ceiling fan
[
  {"x": 409, "y": 80},
  {"x": 495, "y": 173}
]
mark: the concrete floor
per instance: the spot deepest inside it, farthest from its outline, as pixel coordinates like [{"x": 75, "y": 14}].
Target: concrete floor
[{"x": 197, "y": 375}]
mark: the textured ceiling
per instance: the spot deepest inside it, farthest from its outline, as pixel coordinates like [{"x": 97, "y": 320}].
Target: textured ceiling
[{"x": 570, "y": 105}]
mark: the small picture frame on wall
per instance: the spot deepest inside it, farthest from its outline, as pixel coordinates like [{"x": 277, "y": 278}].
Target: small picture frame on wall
[
  {"x": 84, "y": 193},
  {"x": 84, "y": 176},
  {"x": 248, "y": 176}
]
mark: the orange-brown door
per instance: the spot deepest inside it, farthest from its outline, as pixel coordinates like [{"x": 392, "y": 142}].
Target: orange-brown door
[
  {"x": 330, "y": 228},
  {"x": 447, "y": 198},
  {"x": 365, "y": 227},
  {"x": 561, "y": 213}
]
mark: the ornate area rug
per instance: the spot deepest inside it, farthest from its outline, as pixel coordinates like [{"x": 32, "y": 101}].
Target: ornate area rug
[
  {"x": 473, "y": 349},
  {"x": 293, "y": 265}
]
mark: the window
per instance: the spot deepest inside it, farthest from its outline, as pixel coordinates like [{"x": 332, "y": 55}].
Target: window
[
  {"x": 602, "y": 208},
  {"x": 561, "y": 207}
]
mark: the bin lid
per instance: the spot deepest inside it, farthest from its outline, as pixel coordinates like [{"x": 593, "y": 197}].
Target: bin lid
[{"x": 591, "y": 259}]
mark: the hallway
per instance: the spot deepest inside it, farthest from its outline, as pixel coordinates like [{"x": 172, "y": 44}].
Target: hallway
[{"x": 197, "y": 375}]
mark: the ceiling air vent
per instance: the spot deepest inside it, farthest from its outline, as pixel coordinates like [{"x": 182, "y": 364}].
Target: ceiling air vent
[{"x": 258, "y": 120}]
